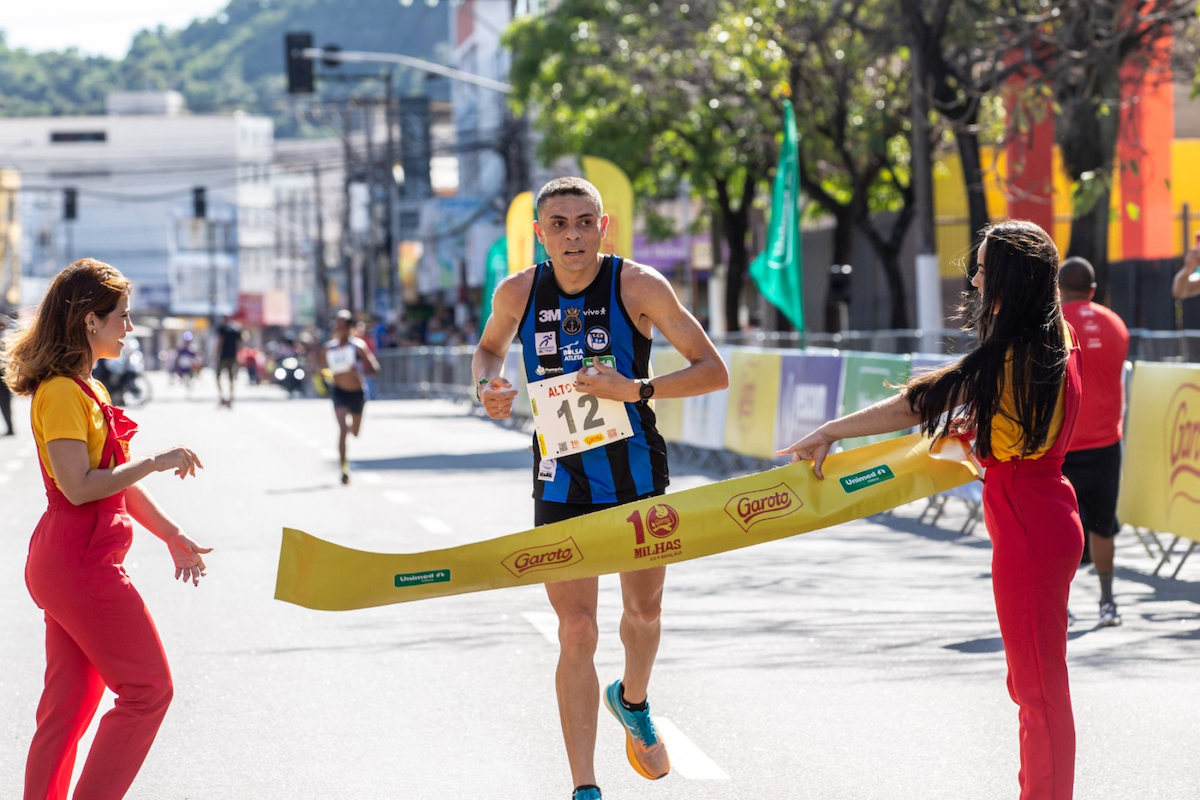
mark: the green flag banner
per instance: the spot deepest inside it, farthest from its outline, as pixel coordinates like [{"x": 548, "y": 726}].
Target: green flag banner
[
  {"x": 676, "y": 527},
  {"x": 493, "y": 272},
  {"x": 777, "y": 269}
]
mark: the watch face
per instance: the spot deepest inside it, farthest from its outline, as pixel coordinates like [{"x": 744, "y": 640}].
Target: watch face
[{"x": 647, "y": 390}]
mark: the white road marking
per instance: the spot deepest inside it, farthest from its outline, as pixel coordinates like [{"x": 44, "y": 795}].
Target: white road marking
[
  {"x": 687, "y": 759},
  {"x": 398, "y": 497},
  {"x": 546, "y": 623},
  {"x": 14, "y": 465},
  {"x": 374, "y": 478},
  {"x": 434, "y": 525}
]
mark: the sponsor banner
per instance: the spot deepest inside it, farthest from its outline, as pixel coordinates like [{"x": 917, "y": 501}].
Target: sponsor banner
[
  {"x": 809, "y": 386},
  {"x": 689, "y": 524},
  {"x": 865, "y": 383},
  {"x": 1160, "y": 472},
  {"x": 668, "y": 414},
  {"x": 704, "y": 416},
  {"x": 753, "y": 402}
]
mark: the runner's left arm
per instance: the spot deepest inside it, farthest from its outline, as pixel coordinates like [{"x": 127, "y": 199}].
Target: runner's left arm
[
  {"x": 189, "y": 563},
  {"x": 370, "y": 363},
  {"x": 651, "y": 301}
]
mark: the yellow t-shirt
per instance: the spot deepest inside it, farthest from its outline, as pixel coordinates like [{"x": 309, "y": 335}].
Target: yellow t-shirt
[
  {"x": 61, "y": 410},
  {"x": 1006, "y": 433}
]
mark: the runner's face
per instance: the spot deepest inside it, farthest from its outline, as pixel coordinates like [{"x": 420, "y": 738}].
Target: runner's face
[
  {"x": 571, "y": 228},
  {"x": 109, "y": 340},
  {"x": 341, "y": 329}
]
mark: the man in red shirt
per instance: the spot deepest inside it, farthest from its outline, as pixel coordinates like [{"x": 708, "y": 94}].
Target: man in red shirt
[{"x": 1093, "y": 464}]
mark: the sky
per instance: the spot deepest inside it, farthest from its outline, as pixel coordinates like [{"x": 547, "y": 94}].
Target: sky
[{"x": 95, "y": 27}]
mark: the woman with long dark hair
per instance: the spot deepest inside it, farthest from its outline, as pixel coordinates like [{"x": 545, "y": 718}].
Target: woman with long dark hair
[
  {"x": 1018, "y": 391},
  {"x": 98, "y": 631}
]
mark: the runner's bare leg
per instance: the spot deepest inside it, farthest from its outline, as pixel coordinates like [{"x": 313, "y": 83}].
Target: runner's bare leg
[
  {"x": 641, "y": 627},
  {"x": 575, "y": 680}
]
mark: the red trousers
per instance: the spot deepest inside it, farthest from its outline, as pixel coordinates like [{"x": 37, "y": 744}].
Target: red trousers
[
  {"x": 1037, "y": 542},
  {"x": 98, "y": 633}
]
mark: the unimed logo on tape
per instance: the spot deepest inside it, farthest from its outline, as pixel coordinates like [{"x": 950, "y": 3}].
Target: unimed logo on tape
[
  {"x": 868, "y": 477},
  {"x": 751, "y": 508},
  {"x": 549, "y": 556},
  {"x": 422, "y": 578}
]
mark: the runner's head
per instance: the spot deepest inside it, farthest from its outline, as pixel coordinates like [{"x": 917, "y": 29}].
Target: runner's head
[
  {"x": 1017, "y": 279},
  {"x": 343, "y": 321},
  {"x": 80, "y": 299},
  {"x": 1076, "y": 279},
  {"x": 571, "y": 222}
]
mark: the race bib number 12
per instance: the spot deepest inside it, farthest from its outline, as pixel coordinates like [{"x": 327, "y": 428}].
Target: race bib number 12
[{"x": 569, "y": 421}]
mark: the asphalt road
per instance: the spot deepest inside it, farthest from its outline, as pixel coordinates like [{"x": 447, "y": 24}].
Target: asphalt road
[{"x": 859, "y": 662}]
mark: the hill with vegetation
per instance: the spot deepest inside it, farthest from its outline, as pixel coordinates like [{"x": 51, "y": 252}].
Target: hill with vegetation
[{"x": 229, "y": 62}]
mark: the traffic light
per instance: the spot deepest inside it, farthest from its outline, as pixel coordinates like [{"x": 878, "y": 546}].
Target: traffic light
[
  {"x": 70, "y": 203},
  {"x": 299, "y": 68},
  {"x": 199, "y": 203}
]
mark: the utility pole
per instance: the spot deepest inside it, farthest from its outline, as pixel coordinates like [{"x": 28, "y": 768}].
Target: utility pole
[
  {"x": 321, "y": 298},
  {"x": 929, "y": 290}
]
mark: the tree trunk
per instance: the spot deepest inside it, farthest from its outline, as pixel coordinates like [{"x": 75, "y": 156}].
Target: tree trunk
[
  {"x": 736, "y": 224},
  {"x": 972, "y": 167},
  {"x": 1089, "y": 239},
  {"x": 890, "y": 259}
]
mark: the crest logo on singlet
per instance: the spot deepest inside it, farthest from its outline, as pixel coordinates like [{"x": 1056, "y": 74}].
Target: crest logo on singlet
[
  {"x": 571, "y": 323},
  {"x": 597, "y": 339}
]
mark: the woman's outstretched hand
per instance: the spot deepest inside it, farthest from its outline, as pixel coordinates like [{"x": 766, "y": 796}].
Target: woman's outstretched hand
[
  {"x": 180, "y": 459},
  {"x": 189, "y": 566},
  {"x": 813, "y": 447}
]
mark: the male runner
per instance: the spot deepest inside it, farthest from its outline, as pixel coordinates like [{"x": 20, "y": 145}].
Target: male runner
[
  {"x": 229, "y": 341},
  {"x": 581, "y": 304},
  {"x": 347, "y": 358},
  {"x": 1093, "y": 464}
]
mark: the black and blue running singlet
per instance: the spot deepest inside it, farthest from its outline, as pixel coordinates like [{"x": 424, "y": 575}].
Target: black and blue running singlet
[{"x": 557, "y": 332}]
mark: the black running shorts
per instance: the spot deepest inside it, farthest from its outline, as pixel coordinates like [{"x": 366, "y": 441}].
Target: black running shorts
[
  {"x": 546, "y": 512},
  {"x": 1096, "y": 476},
  {"x": 352, "y": 401}
]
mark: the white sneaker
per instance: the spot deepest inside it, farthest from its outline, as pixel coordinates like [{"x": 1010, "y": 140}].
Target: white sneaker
[{"x": 1109, "y": 618}]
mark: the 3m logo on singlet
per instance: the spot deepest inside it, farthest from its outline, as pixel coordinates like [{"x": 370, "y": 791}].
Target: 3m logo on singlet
[
  {"x": 547, "y": 557},
  {"x": 751, "y": 508},
  {"x": 549, "y": 315}
]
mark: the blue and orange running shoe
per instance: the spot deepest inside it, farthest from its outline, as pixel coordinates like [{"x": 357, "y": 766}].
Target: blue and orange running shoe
[{"x": 647, "y": 752}]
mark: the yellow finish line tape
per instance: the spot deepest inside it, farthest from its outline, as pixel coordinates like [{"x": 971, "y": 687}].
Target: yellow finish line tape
[{"x": 684, "y": 525}]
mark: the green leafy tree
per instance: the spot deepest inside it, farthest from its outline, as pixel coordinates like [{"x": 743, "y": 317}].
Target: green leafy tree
[{"x": 663, "y": 90}]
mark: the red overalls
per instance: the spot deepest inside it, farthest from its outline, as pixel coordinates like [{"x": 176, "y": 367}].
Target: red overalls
[
  {"x": 1037, "y": 541},
  {"x": 98, "y": 632}
]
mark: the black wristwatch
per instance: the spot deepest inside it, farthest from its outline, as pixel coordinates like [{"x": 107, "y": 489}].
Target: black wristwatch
[{"x": 645, "y": 391}]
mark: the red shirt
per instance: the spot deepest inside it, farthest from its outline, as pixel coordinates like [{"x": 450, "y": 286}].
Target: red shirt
[{"x": 1104, "y": 343}]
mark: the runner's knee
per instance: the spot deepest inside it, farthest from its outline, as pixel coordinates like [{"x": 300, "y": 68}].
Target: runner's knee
[
  {"x": 644, "y": 613},
  {"x": 578, "y": 633}
]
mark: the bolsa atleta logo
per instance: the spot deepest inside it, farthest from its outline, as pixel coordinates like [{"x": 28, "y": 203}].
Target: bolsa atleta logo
[
  {"x": 545, "y": 557},
  {"x": 750, "y": 508}
]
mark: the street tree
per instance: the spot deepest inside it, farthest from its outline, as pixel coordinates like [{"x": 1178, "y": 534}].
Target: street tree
[
  {"x": 666, "y": 91},
  {"x": 850, "y": 88}
]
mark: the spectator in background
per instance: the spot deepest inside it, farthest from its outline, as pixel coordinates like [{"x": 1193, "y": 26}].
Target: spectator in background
[
  {"x": 229, "y": 341},
  {"x": 1093, "y": 463},
  {"x": 1187, "y": 280}
]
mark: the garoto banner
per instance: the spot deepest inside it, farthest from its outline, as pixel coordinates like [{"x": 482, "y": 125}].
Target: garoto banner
[{"x": 676, "y": 527}]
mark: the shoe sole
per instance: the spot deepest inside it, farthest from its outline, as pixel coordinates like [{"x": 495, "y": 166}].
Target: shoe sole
[{"x": 630, "y": 753}]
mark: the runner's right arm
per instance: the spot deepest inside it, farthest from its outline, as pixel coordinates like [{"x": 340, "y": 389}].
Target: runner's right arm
[{"x": 508, "y": 304}]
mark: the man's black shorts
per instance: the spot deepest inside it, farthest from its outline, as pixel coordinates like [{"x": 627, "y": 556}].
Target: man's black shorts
[
  {"x": 352, "y": 401},
  {"x": 1096, "y": 476},
  {"x": 546, "y": 512}
]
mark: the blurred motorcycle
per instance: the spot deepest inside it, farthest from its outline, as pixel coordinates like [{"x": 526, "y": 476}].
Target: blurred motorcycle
[
  {"x": 290, "y": 375},
  {"x": 125, "y": 377}
]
